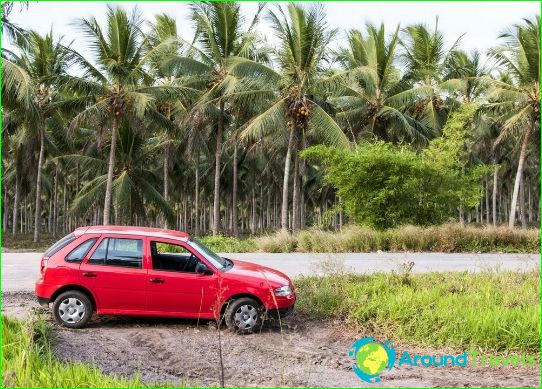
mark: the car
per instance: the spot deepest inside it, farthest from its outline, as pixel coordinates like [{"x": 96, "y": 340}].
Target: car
[{"x": 139, "y": 271}]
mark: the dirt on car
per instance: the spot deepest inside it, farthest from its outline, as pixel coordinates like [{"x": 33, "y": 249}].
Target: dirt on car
[{"x": 294, "y": 352}]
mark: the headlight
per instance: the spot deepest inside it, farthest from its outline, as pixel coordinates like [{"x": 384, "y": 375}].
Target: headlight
[{"x": 283, "y": 291}]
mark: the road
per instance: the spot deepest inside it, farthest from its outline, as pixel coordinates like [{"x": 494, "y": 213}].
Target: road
[{"x": 20, "y": 270}]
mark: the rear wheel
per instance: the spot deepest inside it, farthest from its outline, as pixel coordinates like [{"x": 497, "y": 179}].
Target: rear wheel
[
  {"x": 72, "y": 309},
  {"x": 244, "y": 315}
]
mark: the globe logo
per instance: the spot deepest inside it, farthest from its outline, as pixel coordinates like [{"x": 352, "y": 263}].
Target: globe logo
[{"x": 372, "y": 358}]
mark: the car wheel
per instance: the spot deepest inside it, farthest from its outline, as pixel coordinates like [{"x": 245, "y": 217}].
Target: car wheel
[
  {"x": 244, "y": 315},
  {"x": 72, "y": 309}
]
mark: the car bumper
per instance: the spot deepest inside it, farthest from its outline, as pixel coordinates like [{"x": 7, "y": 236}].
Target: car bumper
[
  {"x": 43, "y": 301},
  {"x": 280, "y": 312}
]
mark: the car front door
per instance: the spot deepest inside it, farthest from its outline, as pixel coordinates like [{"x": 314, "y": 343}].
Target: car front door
[
  {"x": 115, "y": 274},
  {"x": 174, "y": 287}
]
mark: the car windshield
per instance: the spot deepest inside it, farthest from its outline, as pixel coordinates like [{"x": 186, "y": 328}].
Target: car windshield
[{"x": 217, "y": 261}]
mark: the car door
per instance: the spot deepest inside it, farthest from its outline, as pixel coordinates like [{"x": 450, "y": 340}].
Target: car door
[
  {"x": 115, "y": 274},
  {"x": 174, "y": 288}
]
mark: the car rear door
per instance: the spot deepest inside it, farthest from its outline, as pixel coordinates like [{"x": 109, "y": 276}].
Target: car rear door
[
  {"x": 115, "y": 273},
  {"x": 174, "y": 290}
]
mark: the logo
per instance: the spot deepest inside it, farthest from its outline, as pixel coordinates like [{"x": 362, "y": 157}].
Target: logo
[{"x": 372, "y": 358}]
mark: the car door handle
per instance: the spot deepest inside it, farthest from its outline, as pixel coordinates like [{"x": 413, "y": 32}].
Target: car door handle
[
  {"x": 89, "y": 274},
  {"x": 157, "y": 280}
]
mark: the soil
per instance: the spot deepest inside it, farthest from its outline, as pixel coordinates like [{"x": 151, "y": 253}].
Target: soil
[{"x": 306, "y": 353}]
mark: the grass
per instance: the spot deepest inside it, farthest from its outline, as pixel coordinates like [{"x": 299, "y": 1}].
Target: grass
[
  {"x": 497, "y": 311},
  {"x": 28, "y": 361},
  {"x": 448, "y": 238}
]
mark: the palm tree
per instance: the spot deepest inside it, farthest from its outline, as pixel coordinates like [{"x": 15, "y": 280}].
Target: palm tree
[
  {"x": 34, "y": 72},
  {"x": 219, "y": 36},
  {"x": 430, "y": 70},
  {"x": 297, "y": 109},
  {"x": 365, "y": 103},
  {"x": 134, "y": 181},
  {"x": 517, "y": 103},
  {"x": 117, "y": 86}
]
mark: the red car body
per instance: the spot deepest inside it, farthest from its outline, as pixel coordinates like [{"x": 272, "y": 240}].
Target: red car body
[{"x": 148, "y": 291}]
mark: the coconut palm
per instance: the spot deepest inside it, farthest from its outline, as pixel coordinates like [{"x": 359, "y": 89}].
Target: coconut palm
[
  {"x": 29, "y": 86},
  {"x": 297, "y": 108},
  {"x": 430, "y": 69},
  {"x": 516, "y": 103},
  {"x": 117, "y": 86},
  {"x": 366, "y": 102}
]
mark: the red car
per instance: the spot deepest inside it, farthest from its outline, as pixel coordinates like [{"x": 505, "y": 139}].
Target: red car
[{"x": 114, "y": 270}]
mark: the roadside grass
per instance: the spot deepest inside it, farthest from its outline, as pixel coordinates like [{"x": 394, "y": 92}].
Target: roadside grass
[
  {"x": 228, "y": 244},
  {"x": 448, "y": 238},
  {"x": 497, "y": 311},
  {"x": 28, "y": 361}
]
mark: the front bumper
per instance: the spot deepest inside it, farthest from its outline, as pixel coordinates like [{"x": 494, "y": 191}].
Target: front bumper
[{"x": 280, "y": 312}]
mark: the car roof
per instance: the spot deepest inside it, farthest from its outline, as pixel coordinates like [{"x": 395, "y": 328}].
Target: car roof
[{"x": 131, "y": 230}]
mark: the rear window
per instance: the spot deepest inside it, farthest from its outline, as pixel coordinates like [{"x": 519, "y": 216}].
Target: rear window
[
  {"x": 78, "y": 253},
  {"x": 59, "y": 245}
]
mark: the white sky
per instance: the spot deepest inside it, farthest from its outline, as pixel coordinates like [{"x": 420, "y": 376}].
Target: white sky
[{"x": 480, "y": 21}]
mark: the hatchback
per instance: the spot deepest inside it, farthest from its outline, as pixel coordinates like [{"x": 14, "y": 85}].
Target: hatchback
[{"x": 119, "y": 270}]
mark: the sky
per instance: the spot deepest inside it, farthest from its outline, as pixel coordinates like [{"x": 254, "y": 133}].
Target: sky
[{"x": 481, "y": 22}]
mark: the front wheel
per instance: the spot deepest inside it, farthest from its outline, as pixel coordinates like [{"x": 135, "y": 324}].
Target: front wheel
[
  {"x": 72, "y": 309},
  {"x": 244, "y": 315}
]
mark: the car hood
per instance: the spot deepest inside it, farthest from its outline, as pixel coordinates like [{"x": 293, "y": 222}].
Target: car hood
[{"x": 251, "y": 270}]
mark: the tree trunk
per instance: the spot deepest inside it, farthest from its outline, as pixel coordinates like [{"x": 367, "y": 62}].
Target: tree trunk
[
  {"x": 166, "y": 179},
  {"x": 495, "y": 189},
  {"x": 487, "y": 200},
  {"x": 110, "y": 171},
  {"x": 519, "y": 174},
  {"x": 234, "y": 192},
  {"x": 37, "y": 215},
  {"x": 55, "y": 201},
  {"x": 522, "y": 214},
  {"x": 16, "y": 203},
  {"x": 196, "y": 195},
  {"x": 218, "y": 155},
  {"x": 295, "y": 196},
  {"x": 287, "y": 162}
]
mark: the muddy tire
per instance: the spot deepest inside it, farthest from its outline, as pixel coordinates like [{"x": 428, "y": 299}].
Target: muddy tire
[
  {"x": 72, "y": 309},
  {"x": 244, "y": 315}
]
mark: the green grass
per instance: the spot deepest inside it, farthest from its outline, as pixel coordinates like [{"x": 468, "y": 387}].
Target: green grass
[
  {"x": 492, "y": 310},
  {"x": 28, "y": 361},
  {"x": 228, "y": 244}
]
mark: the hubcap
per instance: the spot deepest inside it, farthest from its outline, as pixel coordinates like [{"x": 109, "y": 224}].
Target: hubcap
[
  {"x": 245, "y": 317},
  {"x": 71, "y": 310}
]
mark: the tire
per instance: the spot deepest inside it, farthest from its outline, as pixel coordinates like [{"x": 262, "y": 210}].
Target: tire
[
  {"x": 72, "y": 309},
  {"x": 244, "y": 315}
]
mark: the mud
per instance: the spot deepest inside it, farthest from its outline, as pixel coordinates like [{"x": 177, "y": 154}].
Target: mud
[{"x": 304, "y": 353}]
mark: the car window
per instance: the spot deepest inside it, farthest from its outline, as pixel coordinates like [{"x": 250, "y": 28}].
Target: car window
[
  {"x": 78, "y": 253},
  {"x": 172, "y": 257},
  {"x": 218, "y": 262},
  {"x": 59, "y": 245},
  {"x": 118, "y": 252}
]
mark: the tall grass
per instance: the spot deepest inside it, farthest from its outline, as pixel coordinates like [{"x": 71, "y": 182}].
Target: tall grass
[
  {"x": 446, "y": 238},
  {"x": 491, "y": 310},
  {"x": 28, "y": 361}
]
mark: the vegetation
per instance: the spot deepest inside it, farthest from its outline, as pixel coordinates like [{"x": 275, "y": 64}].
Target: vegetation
[
  {"x": 490, "y": 311},
  {"x": 206, "y": 135},
  {"x": 28, "y": 361}
]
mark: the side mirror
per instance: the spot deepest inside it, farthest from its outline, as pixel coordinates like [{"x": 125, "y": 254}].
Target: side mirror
[{"x": 202, "y": 268}]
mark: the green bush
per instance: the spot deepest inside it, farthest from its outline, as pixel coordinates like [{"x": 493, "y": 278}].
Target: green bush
[
  {"x": 383, "y": 185},
  {"x": 492, "y": 311},
  {"x": 28, "y": 361},
  {"x": 227, "y": 244}
]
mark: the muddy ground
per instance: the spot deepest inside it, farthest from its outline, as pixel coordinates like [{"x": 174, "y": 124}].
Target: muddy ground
[{"x": 306, "y": 353}]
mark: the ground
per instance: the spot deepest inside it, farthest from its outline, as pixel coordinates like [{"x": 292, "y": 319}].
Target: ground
[{"x": 305, "y": 353}]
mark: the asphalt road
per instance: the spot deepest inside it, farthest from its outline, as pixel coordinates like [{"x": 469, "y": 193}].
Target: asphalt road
[{"x": 20, "y": 270}]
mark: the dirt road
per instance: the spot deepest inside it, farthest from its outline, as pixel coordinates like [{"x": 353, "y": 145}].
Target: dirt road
[
  {"x": 306, "y": 353},
  {"x": 20, "y": 270}
]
